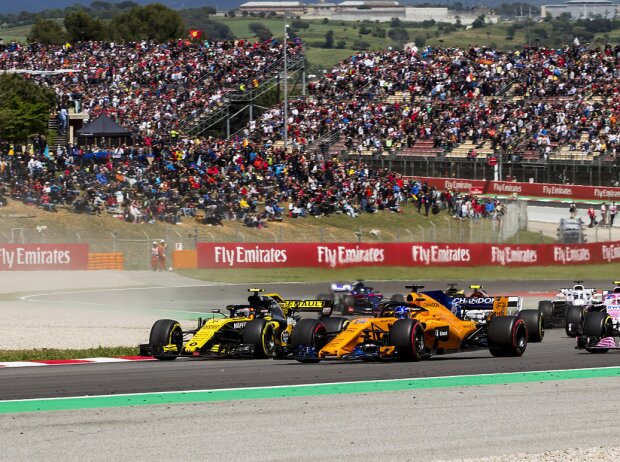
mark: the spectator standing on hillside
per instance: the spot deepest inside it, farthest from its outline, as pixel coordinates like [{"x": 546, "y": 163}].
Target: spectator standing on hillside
[
  {"x": 613, "y": 209},
  {"x": 603, "y": 214},
  {"x": 573, "y": 210},
  {"x": 592, "y": 216},
  {"x": 161, "y": 256},
  {"x": 154, "y": 256}
]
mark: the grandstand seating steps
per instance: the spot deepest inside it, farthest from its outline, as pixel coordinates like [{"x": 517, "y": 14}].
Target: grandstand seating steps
[
  {"x": 398, "y": 97},
  {"x": 59, "y": 139},
  {"x": 422, "y": 148},
  {"x": 564, "y": 152},
  {"x": 483, "y": 150}
]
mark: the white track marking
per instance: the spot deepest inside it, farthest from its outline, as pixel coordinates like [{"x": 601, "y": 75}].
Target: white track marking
[
  {"x": 21, "y": 364},
  {"x": 306, "y": 385}
]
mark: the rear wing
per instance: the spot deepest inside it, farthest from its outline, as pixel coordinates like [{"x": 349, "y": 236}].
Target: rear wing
[
  {"x": 569, "y": 290},
  {"x": 335, "y": 287},
  {"x": 499, "y": 304},
  {"x": 310, "y": 306},
  {"x": 513, "y": 303}
]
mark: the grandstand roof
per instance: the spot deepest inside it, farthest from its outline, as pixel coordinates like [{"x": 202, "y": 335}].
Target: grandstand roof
[
  {"x": 270, "y": 4},
  {"x": 369, "y": 3},
  {"x": 589, "y": 2},
  {"x": 103, "y": 126}
]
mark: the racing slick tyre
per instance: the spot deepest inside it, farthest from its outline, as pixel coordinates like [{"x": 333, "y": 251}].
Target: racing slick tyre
[
  {"x": 546, "y": 308},
  {"x": 407, "y": 335},
  {"x": 261, "y": 334},
  {"x": 165, "y": 332},
  {"x": 347, "y": 305},
  {"x": 597, "y": 324},
  {"x": 397, "y": 298},
  {"x": 507, "y": 336},
  {"x": 335, "y": 325},
  {"x": 534, "y": 321},
  {"x": 573, "y": 321},
  {"x": 308, "y": 333}
]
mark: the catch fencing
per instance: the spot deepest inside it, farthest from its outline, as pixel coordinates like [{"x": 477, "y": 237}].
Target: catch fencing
[{"x": 135, "y": 242}]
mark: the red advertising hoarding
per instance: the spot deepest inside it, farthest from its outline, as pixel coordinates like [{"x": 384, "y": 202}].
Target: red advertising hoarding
[
  {"x": 31, "y": 257},
  {"x": 343, "y": 255},
  {"x": 504, "y": 188}
]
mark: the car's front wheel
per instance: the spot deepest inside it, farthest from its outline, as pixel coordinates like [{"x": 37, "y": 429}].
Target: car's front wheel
[
  {"x": 261, "y": 335},
  {"x": 546, "y": 308},
  {"x": 407, "y": 335},
  {"x": 597, "y": 325},
  {"x": 534, "y": 321},
  {"x": 573, "y": 321},
  {"x": 165, "y": 333}
]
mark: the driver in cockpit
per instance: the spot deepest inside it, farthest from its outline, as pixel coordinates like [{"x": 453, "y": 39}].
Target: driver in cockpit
[{"x": 244, "y": 312}]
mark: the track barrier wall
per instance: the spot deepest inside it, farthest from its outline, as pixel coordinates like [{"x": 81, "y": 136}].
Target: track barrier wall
[
  {"x": 344, "y": 255},
  {"x": 184, "y": 259},
  {"x": 32, "y": 257},
  {"x": 504, "y": 188},
  {"x": 106, "y": 261}
]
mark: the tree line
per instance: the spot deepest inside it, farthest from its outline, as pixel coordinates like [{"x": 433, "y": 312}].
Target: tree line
[{"x": 150, "y": 22}]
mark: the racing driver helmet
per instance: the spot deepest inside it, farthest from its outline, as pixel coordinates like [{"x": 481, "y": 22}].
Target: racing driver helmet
[{"x": 400, "y": 312}]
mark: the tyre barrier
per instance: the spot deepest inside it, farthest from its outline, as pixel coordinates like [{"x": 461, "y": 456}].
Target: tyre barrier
[{"x": 105, "y": 261}]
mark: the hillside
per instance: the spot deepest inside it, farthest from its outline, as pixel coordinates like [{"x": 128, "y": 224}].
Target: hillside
[{"x": 107, "y": 233}]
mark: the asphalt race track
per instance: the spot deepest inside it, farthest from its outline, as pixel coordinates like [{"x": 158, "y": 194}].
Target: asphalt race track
[
  {"x": 568, "y": 415},
  {"x": 555, "y": 352}
]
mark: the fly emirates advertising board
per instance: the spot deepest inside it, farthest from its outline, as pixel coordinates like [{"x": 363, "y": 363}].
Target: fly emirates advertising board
[
  {"x": 342, "y": 255},
  {"x": 32, "y": 257}
]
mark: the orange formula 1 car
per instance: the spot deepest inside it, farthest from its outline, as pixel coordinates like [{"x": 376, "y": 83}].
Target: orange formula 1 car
[{"x": 411, "y": 330}]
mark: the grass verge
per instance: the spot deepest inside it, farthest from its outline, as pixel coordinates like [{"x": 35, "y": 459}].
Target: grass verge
[
  {"x": 45, "y": 354},
  {"x": 481, "y": 273}
]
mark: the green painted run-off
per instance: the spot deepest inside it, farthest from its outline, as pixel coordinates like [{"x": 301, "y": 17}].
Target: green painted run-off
[{"x": 291, "y": 391}]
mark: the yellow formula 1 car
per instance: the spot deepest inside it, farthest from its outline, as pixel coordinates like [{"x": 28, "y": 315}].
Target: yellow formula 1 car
[
  {"x": 412, "y": 330},
  {"x": 259, "y": 329}
]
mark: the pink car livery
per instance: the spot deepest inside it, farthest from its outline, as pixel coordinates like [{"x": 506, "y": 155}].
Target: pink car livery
[{"x": 601, "y": 325}]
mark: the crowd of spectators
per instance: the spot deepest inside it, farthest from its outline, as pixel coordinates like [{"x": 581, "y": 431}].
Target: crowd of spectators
[
  {"x": 537, "y": 96},
  {"x": 147, "y": 87}
]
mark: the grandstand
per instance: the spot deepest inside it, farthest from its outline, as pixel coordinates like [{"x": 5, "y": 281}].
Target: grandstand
[{"x": 549, "y": 115}]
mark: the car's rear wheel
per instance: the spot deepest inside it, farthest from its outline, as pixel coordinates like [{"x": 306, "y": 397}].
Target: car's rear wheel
[
  {"x": 348, "y": 304},
  {"x": 261, "y": 335},
  {"x": 308, "y": 333},
  {"x": 597, "y": 325},
  {"x": 407, "y": 335},
  {"x": 546, "y": 308},
  {"x": 573, "y": 321},
  {"x": 335, "y": 324},
  {"x": 166, "y": 332},
  {"x": 398, "y": 298},
  {"x": 507, "y": 336},
  {"x": 534, "y": 321}
]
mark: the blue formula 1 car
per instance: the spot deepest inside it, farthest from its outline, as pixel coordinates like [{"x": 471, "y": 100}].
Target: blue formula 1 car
[
  {"x": 354, "y": 298},
  {"x": 480, "y": 307}
]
